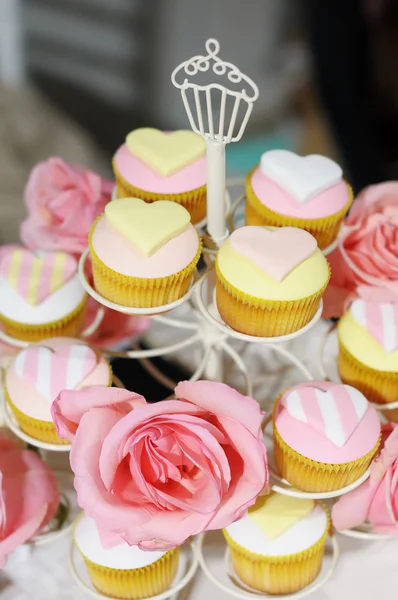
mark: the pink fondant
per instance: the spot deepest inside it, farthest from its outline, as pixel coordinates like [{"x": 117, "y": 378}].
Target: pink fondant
[
  {"x": 276, "y": 252},
  {"x": 137, "y": 173},
  {"x": 279, "y": 200},
  {"x": 51, "y": 372},
  {"x": 120, "y": 256},
  {"x": 380, "y": 319},
  {"x": 23, "y": 392},
  {"x": 44, "y": 281},
  {"x": 334, "y": 413},
  {"x": 313, "y": 443}
]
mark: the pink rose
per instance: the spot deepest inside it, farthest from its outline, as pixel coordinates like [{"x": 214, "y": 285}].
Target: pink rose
[
  {"x": 63, "y": 201},
  {"x": 376, "y": 500},
  {"x": 155, "y": 474},
  {"x": 366, "y": 262},
  {"x": 29, "y": 496}
]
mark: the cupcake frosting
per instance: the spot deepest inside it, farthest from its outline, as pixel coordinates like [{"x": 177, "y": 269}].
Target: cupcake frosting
[
  {"x": 327, "y": 422},
  {"x": 123, "y": 556},
  {"x": 277, "y": 264},
  {"x": 369, "y": 331},
  {"x": 165, "y": 163},
  {"x": 38, "y": 287},
  {"x": 139, "y": 239},
  {"x": 309, "y": 187},
  {"x": 39, "y": 372},
  {"x": 280, "y": 525}
]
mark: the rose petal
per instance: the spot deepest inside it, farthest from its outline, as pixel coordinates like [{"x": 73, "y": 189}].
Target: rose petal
[
  {"x": 225, "y": 401},
  {"x": 70, "y": 405}
]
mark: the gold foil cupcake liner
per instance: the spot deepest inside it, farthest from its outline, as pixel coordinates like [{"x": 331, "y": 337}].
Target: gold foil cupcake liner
[
  {"x": 69, "y": 326},
  {"x": 380, "y": 387},
  {"x": 325, "y": 230},
  {"x": 264, "y": 318},
  {"x": 193, "y": 200},
  {"x": 44, "y": 431},
  {"x": 139, "y": 292},
  {"x": 310, "y": 475},
  {"x": 278, "y": 574},
  {"x": 134, "y": 584}
]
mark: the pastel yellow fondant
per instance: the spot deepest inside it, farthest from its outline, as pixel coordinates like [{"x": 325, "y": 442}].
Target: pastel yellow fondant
[
  {"x": 147, "y": 226},
  {"x": 275, "y": 514},
  {"x": 364, "y": 347},
  {"x": 166, "y": 153},
  {"x": 305, "y": 279}
]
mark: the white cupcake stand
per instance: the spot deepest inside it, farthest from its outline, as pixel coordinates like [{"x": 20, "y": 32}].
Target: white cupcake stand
[{"x": 206, "y": 107}]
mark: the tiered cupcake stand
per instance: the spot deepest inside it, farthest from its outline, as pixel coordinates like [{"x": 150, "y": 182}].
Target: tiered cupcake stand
[{"x": 205, "y": 328}]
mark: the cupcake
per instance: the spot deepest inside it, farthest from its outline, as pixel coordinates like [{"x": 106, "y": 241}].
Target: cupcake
[
  {"x": 278, "y": 547},
  {"x": 307, "y": 192},
  {"x": 124, "y": 571},
  {"x": 143, "y": 255},
  {"x": 153, "y": 165},
  {"x": 325, "y": 435},
  {"x": 368, "y": 351},
  {"x": 269, "y": 281},
  {"x": 40, "y": 372},
  {"x": 40, "y": 295}
]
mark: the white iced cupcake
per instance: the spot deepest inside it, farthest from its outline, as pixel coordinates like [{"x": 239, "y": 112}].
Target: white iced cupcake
[
  {"x": 278, "y": 547},
  {"x": 124, "y": 571}
]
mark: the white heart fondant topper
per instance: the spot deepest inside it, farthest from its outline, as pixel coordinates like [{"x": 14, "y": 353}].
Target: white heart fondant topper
[
  {"x": 380, "y": 320},
  {"x": 303, "y": 177},
  {"x": 334, "y": 413},
  {"x": 275, "y": 251},
  {"x": 51, "y": 371}
]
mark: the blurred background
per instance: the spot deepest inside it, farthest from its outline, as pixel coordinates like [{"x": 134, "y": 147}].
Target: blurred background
[{"x": 77, "y": 75}]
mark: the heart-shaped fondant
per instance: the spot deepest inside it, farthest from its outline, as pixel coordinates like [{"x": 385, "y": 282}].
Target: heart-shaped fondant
[
  {"x": 166, "y": 153},
  {"x": 35, "y": 277},
  {"x": 380, "y": 320},
  {"x": 51, "y": 371},
  {"x": 147, "y": 226},
  {"x": 303, "y": 177},
  {"x": 275, "y": 514},
  {"x": 334, "y": 413},
  {"x": 275, "y": 251}
]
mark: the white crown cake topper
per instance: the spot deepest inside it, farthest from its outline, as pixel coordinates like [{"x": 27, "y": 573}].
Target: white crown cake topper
[{"x": 201, "y": 64}]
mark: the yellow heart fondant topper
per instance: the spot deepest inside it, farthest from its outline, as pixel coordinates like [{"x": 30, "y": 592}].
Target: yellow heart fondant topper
[
  {"x": 147, "y": 226},
  {"x": 166, "y": 153},
  {"x": 275, "y": 514}
]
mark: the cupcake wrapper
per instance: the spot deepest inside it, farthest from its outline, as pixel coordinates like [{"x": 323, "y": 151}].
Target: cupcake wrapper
[
  {"x": 256, "y": 316},
  {"x": 324, "y": 230},
  {"x": 193, "y": 200},
  {"x": 138, "y": 292},
  {"x": 70, "y": 326},
  {"x": 134, "y": 584},
  {"x": 40, "y": 430},
  {"x": 380, "y": 387},
  {"x": 278, "y": 574},
  {"x": 313, "y": 476}
]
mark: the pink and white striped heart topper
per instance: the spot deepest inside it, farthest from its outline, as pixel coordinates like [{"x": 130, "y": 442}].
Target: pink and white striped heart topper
[
  {"x": 36, "y": 277},
  {"x": 380, "y": 320},
  {"x": 334, "y": 413},
  {"x": 51, "y": 371},
  {"x": 276, "y": 252}
]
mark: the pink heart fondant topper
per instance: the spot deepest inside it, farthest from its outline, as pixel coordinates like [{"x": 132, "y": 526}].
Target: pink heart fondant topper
[
  {"x": 275, "y": 251},
  {"x": 50, "y": 372},
  {"x": 334, "y": 413},
  {"x": 380, "y": 320}
]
